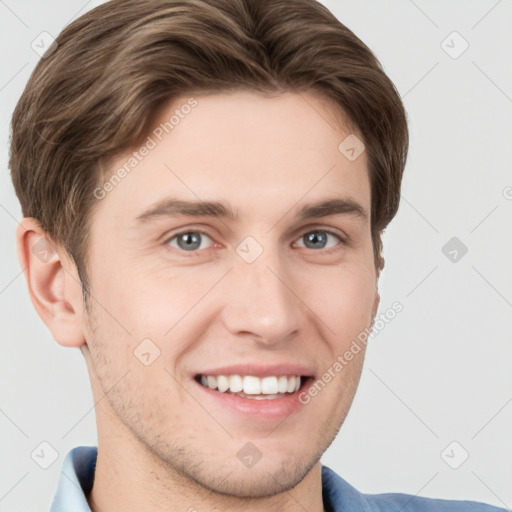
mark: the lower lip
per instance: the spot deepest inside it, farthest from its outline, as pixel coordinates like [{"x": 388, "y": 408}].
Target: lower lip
[{"x": 264, "y": 409}]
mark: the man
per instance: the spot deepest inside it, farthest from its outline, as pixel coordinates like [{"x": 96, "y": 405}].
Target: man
[{"x": 209, "y": 181}]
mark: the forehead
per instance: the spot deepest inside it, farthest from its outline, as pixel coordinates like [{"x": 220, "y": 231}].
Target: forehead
[
  {"x": 250, "y": 119},
  {"x": 255, "y": 151}
]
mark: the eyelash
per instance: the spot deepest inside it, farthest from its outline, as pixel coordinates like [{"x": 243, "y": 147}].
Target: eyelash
[{"x": 344, "y": 241}]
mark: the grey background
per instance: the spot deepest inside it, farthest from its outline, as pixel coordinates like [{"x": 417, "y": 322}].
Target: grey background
[{"x": 440, "y": 371}]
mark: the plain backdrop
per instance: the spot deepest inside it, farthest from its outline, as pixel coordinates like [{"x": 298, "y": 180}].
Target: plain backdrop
[{"x": 437, "y": 383}]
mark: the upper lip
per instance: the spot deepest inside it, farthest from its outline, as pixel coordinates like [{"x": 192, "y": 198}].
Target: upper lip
[{"x": 259, "y": 370}]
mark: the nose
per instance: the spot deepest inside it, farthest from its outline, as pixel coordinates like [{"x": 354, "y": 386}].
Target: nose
[{"x": 261, "y": 301}]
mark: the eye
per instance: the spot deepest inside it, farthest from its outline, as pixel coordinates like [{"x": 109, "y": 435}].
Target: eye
[
  {"x": 188, "y": 240},
  {"x": 194, "y": 241},
  {"x": 318, "y": 239}
]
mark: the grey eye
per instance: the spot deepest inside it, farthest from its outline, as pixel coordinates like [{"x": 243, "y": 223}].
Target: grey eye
[
  {"x": 318, "y": 239},
  {"x": 188, "y": 241}
]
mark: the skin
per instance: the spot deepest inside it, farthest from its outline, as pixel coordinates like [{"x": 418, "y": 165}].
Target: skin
[{"x": 157, "y": 444}]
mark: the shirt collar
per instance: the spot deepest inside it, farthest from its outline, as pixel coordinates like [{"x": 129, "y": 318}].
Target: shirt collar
[
  {"x": 75, "y": 480},
  {"x": 338, "y": 495}
]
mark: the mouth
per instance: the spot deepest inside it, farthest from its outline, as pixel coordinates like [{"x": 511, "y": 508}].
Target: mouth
[
  {"x": 259, "y": 393},
  {"x": 252, "y": 387}
]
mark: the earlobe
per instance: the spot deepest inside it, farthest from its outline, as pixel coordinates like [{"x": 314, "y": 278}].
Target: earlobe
[{"x": 54, "y": 292}]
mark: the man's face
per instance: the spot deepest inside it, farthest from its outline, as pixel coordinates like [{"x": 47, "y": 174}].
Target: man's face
[{"x": 266, "y": 294}]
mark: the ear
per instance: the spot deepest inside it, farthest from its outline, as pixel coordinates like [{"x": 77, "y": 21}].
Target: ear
[
  {"x": 53, "y": 283},
  {"x": 376, "y": 303}
]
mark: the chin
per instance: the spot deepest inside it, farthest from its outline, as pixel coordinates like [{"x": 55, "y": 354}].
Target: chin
[{"x": 264, "y": 479}]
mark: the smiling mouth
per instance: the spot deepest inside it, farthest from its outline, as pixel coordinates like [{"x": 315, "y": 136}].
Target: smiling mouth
[{"x": 252, "y": 387}]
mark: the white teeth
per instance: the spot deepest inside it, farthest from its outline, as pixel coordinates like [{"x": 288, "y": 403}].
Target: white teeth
[
  {"x": 252, "y": 385},
  {"x": 212, "y": 382},
  {"x": 282, "y": 384},
  {"x": 222, "y": 383},
  {"x": 267, "y": 387},
  {"x": 290, "y": 388},
  {"x": 260, "y": 397},
  {"x": 236, "y": 384}
]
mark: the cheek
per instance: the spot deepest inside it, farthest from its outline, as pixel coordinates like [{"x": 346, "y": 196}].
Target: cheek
[
  {"x": 155, "y": 295},
  {"x": 342, "y": 297}
]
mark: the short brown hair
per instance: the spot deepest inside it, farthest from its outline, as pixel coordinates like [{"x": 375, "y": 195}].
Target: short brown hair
[{"x": 95, "y": 95}]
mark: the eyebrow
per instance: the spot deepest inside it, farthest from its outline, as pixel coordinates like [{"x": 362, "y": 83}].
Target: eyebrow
[{"x": 172, "y": 207}]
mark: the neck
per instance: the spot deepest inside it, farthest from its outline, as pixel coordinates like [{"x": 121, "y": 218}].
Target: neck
[{"x": 128, "y": 476}]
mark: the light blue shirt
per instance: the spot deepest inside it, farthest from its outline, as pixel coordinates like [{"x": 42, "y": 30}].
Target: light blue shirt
[{"x": 77, "y": 476}]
